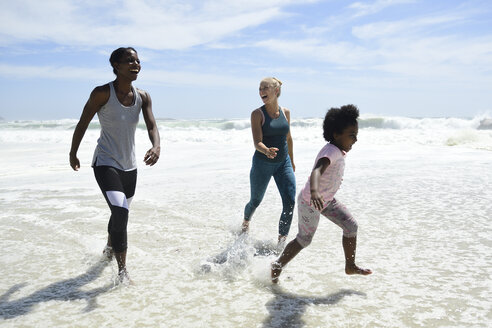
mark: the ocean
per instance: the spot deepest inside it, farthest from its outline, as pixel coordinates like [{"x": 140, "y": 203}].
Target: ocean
[{"x": 420, "y": 189}]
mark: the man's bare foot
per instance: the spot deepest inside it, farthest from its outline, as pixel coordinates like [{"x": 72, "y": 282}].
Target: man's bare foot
[
  {"x": 354, "y": 269},
  {"x": 276, "y": 270},
  {"x": 245, "y": 227}
]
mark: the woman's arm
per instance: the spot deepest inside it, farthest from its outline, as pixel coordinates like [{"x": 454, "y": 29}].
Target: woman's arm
[
  {"x": 290, "y": 143},
  {"x": 99, "y": 96},
  {"x": 152, "y": 155},
  {"x": 256, "y": 119},
  {"x": 316, "y": 198}
]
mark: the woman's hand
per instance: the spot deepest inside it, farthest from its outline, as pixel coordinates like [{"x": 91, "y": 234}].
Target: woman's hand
[
  {"x": 152, "y": 156},
  {"x": 99, "y": 96},
  {"x": 271, "y": 152},
  {"x": 74, "y": 162}
]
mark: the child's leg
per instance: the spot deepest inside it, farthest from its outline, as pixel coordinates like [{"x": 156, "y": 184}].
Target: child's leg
[
  {"x": 349, "y": 246},
  {"x": 308, "y": 223},
  {"x": 338, "y": 214},
  {"x": 286, "y": 184},
  {"x": 291, "y": 250}
]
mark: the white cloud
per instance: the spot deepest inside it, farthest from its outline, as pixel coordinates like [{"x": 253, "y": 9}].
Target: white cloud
[
  {"x": 425, "y": 57},
  {"x": 344, "y": 54},
  {"x": 405, "y": 27},
  {"x": 52, "y": 72},
  {"x": 195, "y": 79},
  {"x": 151, "y": 76},
  {"x": 151, "y": 24},
  {"x": 450, "y": 58},
  {"x": 429, "y": 46},
  {"x": 364, "y": 9}
]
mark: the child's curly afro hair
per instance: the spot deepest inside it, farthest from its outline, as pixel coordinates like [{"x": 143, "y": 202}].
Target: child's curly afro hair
[{"x": 338, "y": 119}]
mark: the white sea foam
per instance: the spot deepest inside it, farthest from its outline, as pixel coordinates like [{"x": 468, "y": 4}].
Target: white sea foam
[
  {"x": 381, "y": 130},
  {"x": 419, "y": 188}
]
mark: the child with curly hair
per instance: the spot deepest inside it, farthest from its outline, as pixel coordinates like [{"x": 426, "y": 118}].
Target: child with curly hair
[{"x": 340, "y": 130}]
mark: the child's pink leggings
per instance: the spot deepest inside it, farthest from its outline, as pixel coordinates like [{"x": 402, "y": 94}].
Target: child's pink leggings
[{"x": 308, "y": 218}]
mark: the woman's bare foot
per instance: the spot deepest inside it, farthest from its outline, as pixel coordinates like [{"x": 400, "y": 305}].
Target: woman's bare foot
[
  {"x": 108, "y": 252},
  {"x": 245, "y": 227},
  {"x": 354, "y": 269},
  {"x": 282, "y": 240},
  {"x": 124, "y": 277},
  {"x": 276, "y": 270}
]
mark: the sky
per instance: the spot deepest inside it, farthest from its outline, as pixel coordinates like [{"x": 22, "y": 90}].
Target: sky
[{"x": 205, "y": 59}]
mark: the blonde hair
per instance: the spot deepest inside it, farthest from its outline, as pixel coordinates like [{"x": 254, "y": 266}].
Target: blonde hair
[{"x": 276, "y": 83}]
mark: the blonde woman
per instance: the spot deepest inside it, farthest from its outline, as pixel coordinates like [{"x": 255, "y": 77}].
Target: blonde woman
[{"x": 270, "y": 125}]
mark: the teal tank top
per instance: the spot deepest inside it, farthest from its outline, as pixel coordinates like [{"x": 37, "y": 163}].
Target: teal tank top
[{"x": 275, "y": 135}]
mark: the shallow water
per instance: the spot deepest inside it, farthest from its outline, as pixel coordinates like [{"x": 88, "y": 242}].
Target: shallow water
[{"x": 423, "y": 208}]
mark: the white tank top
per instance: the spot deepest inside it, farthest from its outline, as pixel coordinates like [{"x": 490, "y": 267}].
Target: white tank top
[{"x": 116, "y": 144}]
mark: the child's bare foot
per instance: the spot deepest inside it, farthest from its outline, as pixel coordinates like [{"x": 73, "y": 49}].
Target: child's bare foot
[
  {"x": 245, "y": 227},
  {"x": 354, "y": 269},
  {"x": 276, "y": 270}
]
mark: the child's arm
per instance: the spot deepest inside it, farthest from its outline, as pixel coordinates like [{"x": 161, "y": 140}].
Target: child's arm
[{"x": 319, "y": 169}]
